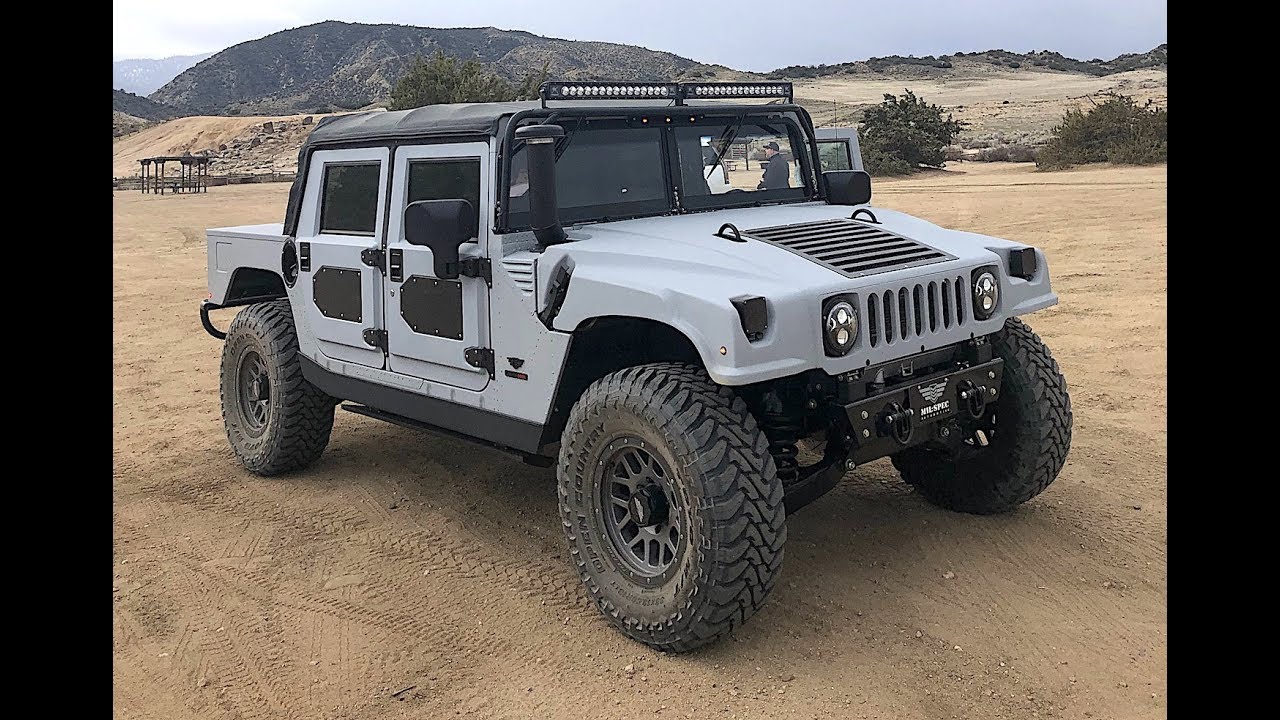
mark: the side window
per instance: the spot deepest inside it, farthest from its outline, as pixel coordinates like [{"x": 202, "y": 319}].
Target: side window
[
  {"x": 834, "y": 155},
  {"x": 445, "y": 180},
  {"x": 349, "y": 203}
]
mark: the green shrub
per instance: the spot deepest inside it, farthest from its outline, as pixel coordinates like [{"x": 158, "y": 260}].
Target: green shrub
[
  {"x": 1119, "y": 130},
  {"x": 901, "y": 134},
  {"x": 443, "y": 80}
]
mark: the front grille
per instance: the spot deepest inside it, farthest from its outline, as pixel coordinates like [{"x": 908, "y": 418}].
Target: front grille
[
  {"x": 850, "y": 247},
  {"x": 915, "y": 311}
]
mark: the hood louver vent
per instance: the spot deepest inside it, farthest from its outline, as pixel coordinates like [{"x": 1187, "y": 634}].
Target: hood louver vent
[{"x": 850, "y": 247}]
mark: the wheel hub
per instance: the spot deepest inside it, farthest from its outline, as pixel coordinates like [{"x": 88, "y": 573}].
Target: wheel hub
[
  {"x": 639, "y": 518},
  {"x": 255, "y": 392},
  {"x": 648, "y": 506}
]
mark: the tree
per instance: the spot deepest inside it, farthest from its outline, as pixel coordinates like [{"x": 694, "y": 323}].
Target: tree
[
  {"x": 444, "y": 80},
  {"x": 529, "y": 88},
  {"x": 1119, "y": 130},
  {"x": 901, "y": 134}
]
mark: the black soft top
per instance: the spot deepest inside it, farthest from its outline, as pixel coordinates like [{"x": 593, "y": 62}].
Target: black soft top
[
  {"x": 452, "y": 120},
  {"x": 458, "y": 119},
  {"x": 431, "y": 120}
]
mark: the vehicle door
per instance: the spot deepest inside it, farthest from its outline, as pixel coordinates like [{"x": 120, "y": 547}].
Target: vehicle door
[
  {"x": 343, "y": 217},
  {"x": 437, "y": 328}
]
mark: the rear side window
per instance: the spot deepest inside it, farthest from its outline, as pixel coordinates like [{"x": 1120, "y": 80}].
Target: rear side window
[
  {"x": 834, "y": 155},
  {"x": 349, "y": 203},
  {"x": 446, "y": 180}
]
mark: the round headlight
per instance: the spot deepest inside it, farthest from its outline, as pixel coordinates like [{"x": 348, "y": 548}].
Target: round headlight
[
  {"x": 986, "y": 294},
  {"x": 840, "y": 328}
]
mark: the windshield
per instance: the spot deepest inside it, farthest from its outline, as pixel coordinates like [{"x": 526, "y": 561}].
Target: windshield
[
  {"x": 731, "y": 162},
  {"x": 614, "y": 168}
]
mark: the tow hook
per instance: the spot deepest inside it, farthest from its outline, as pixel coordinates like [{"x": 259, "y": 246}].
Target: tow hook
[
  {"x": 898, "y": 424},
  {"x": 974, "y": 397}
]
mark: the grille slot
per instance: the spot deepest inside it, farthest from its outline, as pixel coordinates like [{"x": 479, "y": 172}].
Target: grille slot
[
  {"x": 933, "y": 307},
  {"x": 946, "y": 303},
  {"x": 850, "y": 247},
  {"x": 902, "y": 312},
  {"x": 959, "y": 300},
  {"x": 888, "y": 316},
  {"x": 918, "y": 296},
  {"x": 873, "y": 319}
]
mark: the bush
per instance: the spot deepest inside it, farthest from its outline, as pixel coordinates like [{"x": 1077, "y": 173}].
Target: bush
[
  {"x": 1022, "y": 153},
  {"x": 1119, "y": 130},
  {"x": 901, "y": 134},
  {"x": 443, "y": 80},
  {"x": 1007, "y": 153}
]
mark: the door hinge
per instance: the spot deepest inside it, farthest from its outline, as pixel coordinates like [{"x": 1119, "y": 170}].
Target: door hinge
[
  {"x": 481, "y": 358},
  {"x": 376, "y": 337},
  {"x": 374, "y": 257},
  {"x": 473, "y": 267}
]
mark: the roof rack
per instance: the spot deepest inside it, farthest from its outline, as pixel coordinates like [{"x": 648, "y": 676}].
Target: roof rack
[{"x": 675, "y": 92}]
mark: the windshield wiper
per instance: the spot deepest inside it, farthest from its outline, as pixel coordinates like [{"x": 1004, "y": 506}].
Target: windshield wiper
[
  {"x": 568, "y": 137},
  {"x": 726, "y": 139}
]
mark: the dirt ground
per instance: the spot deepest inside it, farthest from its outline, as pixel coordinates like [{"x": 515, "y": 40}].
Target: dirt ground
[
  {"x": 406, "y": 575},
  {"x": 1013, "y": 106}
]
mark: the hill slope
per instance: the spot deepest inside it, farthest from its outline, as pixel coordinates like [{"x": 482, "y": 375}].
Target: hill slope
[
  {"x": 139, "y": 107},
  {"x": 336, "y": 65},
  {"x": 144, "y": 77},
  {"x": 981, "y": 63}
]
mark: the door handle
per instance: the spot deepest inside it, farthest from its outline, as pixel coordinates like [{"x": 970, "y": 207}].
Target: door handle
[{"x": 395, "y": 265}]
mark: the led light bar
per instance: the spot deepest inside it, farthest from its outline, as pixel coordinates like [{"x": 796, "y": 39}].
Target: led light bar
[
  {"x": 715, "y": 91},
  {"x": 608, "y": 91},
  {"x": 678, "y": 92}
]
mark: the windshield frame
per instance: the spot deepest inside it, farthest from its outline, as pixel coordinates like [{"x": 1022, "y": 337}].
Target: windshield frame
[{"x": 801, "y": 125}]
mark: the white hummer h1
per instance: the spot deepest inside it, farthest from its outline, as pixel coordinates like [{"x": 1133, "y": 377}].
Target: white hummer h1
[{"x": 557, "y": 279}]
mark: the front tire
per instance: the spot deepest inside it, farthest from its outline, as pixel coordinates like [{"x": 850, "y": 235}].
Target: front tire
[
  {"x": 275, "y": 420},
  {"x": 671, "y": 505},
  {"x": 1029, "y": 442}
]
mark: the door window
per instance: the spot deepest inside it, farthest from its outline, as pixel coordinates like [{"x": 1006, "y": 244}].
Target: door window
[
  {"x": 446, "y": 180},
  {"x": 349, "y": 201}
]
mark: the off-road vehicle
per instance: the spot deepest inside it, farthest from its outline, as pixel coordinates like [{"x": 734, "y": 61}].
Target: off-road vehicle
[{"x": 555, "y": 279}]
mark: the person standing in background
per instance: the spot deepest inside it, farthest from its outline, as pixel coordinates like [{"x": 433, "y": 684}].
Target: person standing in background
[{"x": 777, "y": 174}]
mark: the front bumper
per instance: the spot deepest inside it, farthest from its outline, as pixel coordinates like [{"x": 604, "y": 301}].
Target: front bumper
[{"x": 932, "y": 407}]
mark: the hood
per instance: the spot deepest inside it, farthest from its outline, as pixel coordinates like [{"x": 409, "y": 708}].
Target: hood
[{"x": 686, "y": 248}]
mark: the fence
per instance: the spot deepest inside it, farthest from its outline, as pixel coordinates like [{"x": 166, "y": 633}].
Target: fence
[{"x": 135, "y": 183}]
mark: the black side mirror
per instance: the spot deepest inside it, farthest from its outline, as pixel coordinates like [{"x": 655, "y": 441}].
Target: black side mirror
[
  {"x": 441, "y": 225},
  {"x": 847, "y": 187}
]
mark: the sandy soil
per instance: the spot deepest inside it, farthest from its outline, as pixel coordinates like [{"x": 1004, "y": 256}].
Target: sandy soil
[{"x": 410, "y": 576}]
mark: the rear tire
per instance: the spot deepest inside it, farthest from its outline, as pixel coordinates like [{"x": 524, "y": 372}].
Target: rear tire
[
  {"x": 1029, "y": 443},
  {"x": 664, "y": 441},
  {"x": 275, "y": 420}
]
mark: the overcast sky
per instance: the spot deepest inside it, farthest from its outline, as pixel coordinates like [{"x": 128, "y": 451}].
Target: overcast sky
[{"x": 743, "y": 34}]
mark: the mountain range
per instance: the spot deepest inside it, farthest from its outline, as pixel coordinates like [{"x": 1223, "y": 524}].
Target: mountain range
[
  {"x": 332, "y": 66},
  {"x": 340, "y": 66},
  {"x": 143, "y": 77}
]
